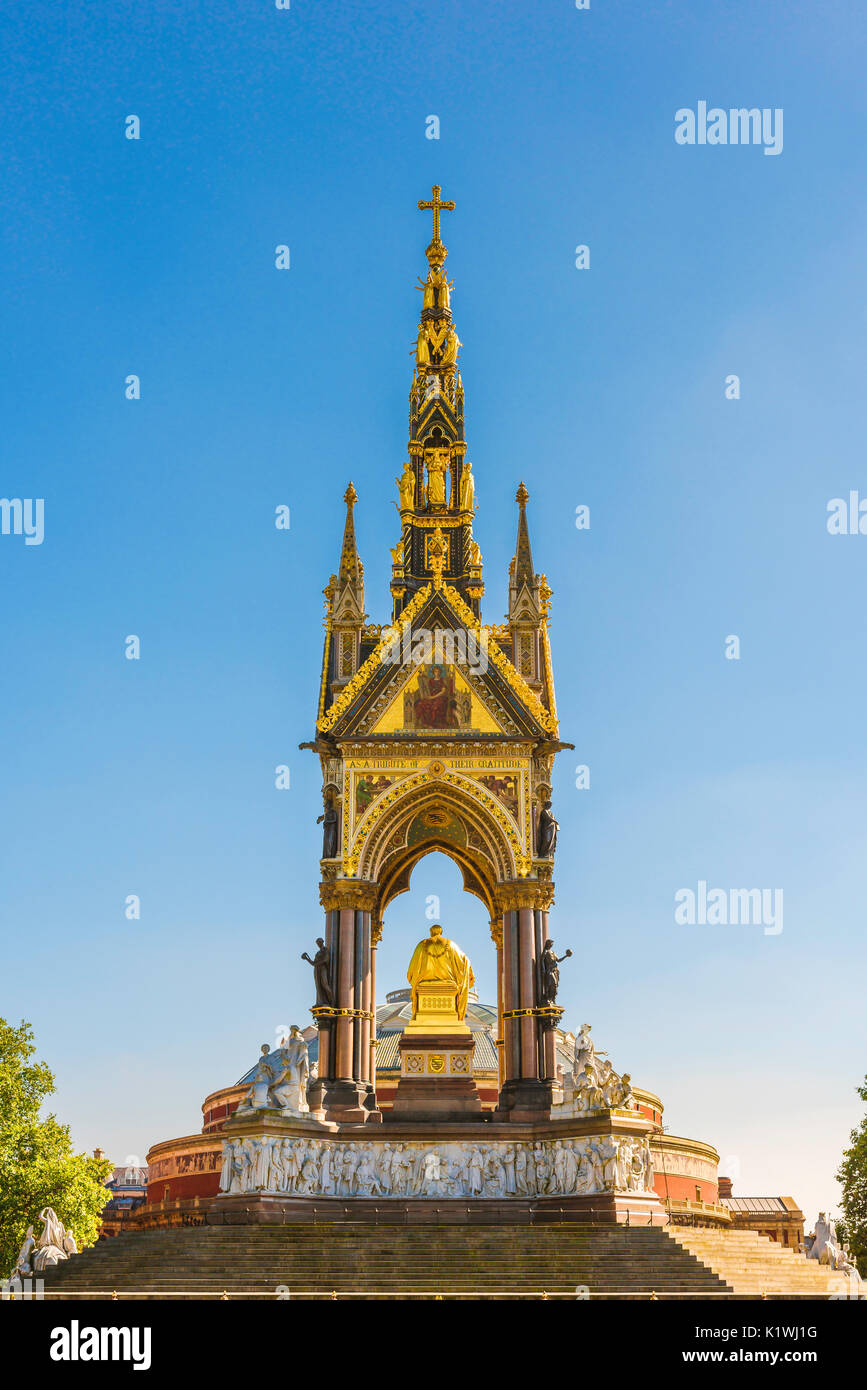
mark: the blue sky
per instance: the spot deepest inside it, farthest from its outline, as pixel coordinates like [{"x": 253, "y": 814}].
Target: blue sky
[{"x": 602, "y": 387}]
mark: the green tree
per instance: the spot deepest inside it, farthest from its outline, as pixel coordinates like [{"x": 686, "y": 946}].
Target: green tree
[
  {"x": 852, "y": 1177},
  {"x": 38, "y": 1167}
]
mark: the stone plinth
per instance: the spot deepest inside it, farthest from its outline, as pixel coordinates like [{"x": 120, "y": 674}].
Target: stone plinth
[
  {"x": 436, "y": 1077},
  {"x": 460, "y": 1167},
  {"x": 436, "y": 1012}
]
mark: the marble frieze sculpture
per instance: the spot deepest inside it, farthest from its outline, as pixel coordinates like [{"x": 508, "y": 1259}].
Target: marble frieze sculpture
[{"x": 461, "y": 1169}]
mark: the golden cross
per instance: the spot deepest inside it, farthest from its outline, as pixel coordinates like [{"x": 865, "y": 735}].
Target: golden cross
[{"x": 436, "y": 206}]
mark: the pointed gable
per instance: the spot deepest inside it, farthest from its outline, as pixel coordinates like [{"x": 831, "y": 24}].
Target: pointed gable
[{"x": 437, "y": 672}]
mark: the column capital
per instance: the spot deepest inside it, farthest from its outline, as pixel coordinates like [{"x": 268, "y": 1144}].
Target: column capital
[
  {"x": 338, "y": 893},
  {"x": 497, "y": 931},
  {"x": 523, "y": 892}
]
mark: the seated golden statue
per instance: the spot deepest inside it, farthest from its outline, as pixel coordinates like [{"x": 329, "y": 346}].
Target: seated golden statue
[{"x": 441, "y": 976}]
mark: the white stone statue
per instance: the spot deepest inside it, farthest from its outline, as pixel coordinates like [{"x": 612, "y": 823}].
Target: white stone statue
[
  {"x": 594, "y": 1084},
  {"x": 257, "y": 1096},
  {"x": 289, "y": 1090},
  {"x": 280, "y": 1079},
  {"x": 365, "y": 1175},
  {"x": 245, "y": 1156},
  {"x": 475, "y": 1173},
  {"x": 625, "y": 1100},
  {"x": 23, "y": 1265},
  {"x": 846, "y": 1264},
  {"x": 309, "y": 1181},
  {"x": 278, "y": 1165},
  {"x": 350, "y": 1164},
  {"x": 585, "y": 1053},
  {"x": 326, "y": 1173},
  {"x": 560, "y": 1174},
  {"x": 432, "y": 1167},
  {"x": 647, "y": 1159},
  {"x": 823, "y": 1248},
  {"x": 227, "y": 1166},
  {"x": 383, "y": 1165},
  {"x": 496, "y": 1174},
  {"x": 262, "y": 1167},
  {"x": 54, "y": 1242},
  {"x": 608, "y": 1083}
]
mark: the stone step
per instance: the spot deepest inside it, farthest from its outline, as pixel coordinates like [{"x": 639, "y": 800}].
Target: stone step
[
  {"x": 432, "y": 1261},
  {"x": 752, "y": 1263},
  {"x": 387, "y": 1261}
]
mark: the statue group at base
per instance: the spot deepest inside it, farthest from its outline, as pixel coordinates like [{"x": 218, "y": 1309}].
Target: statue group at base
[
  {"x": 594, "y": 1084},
  {"x": 462, "y": 1169},
  {"x": 280, "y": 1079},
  {"x": 53, "y": 1244},
  {"x": 824, "y": 1249}
]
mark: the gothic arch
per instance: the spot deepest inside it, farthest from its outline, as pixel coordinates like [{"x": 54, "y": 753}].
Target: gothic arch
[
  {"x": 449, "y": 813},
  {"x": 398, "y": 868}
]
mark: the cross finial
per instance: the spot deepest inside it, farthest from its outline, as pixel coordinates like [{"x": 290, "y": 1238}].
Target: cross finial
[{"x": 435, "y": 205}]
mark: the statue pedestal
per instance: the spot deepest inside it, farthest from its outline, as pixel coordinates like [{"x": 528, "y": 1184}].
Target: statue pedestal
[
  {"x": 436, "y": 1014},
  {"x": 436, "y": 1077},
  {"x": 343, "y": 1101},
  {"x": 526, "y": 1101}
]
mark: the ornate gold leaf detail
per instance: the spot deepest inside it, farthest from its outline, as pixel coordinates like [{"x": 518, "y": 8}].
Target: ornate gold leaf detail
[
  {"x": 364, "y": 673},
  {"x": 502, "y": 662}
]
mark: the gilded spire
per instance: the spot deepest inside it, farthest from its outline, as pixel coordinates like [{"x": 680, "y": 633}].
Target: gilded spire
[
  {"x": 436, "y": 488},
  {"x": 437, "y": 343},
  {"x": 345, "y": 598},
  {"x": 523, "y": 561},
  {"x": 351, "y": 569}
]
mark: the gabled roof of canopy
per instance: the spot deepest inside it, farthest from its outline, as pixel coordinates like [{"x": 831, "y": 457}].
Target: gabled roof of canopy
[{"x": 433, "y": 608}]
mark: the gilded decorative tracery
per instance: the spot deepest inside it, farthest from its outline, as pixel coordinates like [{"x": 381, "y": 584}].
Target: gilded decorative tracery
[{"x": 495, "y": 844}]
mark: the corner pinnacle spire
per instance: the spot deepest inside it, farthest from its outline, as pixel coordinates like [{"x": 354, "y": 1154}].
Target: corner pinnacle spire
[
  {"x": 523, "y": 561},
  {"x": 351, "y": 569},
  {"x": 345, "y": 610}
]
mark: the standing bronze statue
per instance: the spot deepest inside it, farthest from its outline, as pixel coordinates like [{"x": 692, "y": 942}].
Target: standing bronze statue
[
  {"x": 546, "y": 835},
  {"x": 321, "y": 963},
  {"x": 549, "y": 966},
  {"x": 329, "y": 822}
]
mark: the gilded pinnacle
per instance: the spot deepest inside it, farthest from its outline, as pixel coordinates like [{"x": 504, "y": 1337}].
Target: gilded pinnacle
[
  {"x": 522, "y": 496},
  {"x": 350, "y": 496}
]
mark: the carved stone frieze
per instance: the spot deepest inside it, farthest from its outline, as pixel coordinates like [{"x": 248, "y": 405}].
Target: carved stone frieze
[{"x": 502, "y": 1169}]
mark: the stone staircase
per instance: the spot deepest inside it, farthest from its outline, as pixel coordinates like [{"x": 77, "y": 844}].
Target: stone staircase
[
  {"x": 375, "y": 1261},
  {"x": 371, "y": 1261},
  {"x": 368, "y": 1261},
  {"x": 752, "y": 1264}
]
